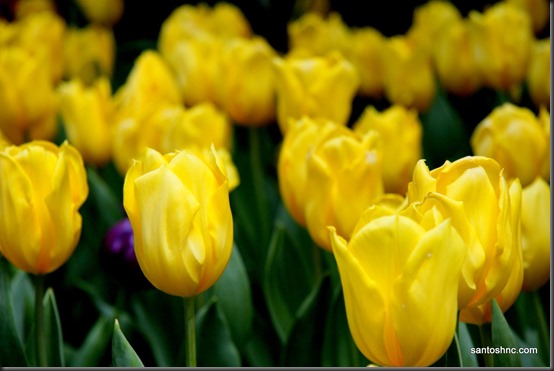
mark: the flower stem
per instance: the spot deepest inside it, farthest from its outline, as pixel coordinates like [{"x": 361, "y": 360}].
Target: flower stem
[
  {"x": 40, "y": 339},
  {"x": 190, "y": 333},
  {"x": 486, "y": 341}
]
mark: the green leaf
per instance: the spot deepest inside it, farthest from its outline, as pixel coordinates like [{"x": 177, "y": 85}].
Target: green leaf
[
  {"x": 214, "y": 344},
  {"x": 287, "y": 281},
  {"x": 53, "y": 330},
  {"x": 469, "y": 359},
  {"x": 339, "y": 349},
  {"x": 107, "y": 204},
  {"x": 260, "y": 351},
  {"x": 445, "y": 136},
  {"x": 23, "y": 296},
  {"x": 95, "y": 344},
  {"x": 305, "y": 342},
  {"x": 11, "y": 347},
  {"x": 123, "y": 354},
  {"x": 235, "y": 298},
  {"x": 502, "y": 336}
]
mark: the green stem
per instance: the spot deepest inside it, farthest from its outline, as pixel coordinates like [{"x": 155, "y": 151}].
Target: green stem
[
  {"x": 190, "y": 332},
  {"x": 486, "y": 341},
  {"x": 40, "y": 339},
  {"x": 258, "y": 181},
  {"x": 544, "y": 338}
]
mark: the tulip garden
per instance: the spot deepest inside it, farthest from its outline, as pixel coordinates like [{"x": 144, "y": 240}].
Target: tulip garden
[{"x": 264, "y": 183}]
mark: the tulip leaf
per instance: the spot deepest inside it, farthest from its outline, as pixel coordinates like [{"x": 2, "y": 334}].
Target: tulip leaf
[
  {"x": 11, "y": 346},
  {"x": 502, "y": 336},
  {"x": 23, "y": 296},
  {"x": 339, "y": 349},
  {"x": 469, "y": 359},
  {"x": 123, "y": 354},
  {"x": 53, "y": 330},
  {"x": 214, "y": 344},
  {"x": 95, "y": 344},
  {"x": 305, "y": 342},
  {"x": 533, "y": 328},
  {"x": 287, "y": 282},
  {"x": 235, "y": 298},
  {"x": 107, "y": 204},
  {"x": 444, "y": 133},
  {"x": 260, "y": 351}
]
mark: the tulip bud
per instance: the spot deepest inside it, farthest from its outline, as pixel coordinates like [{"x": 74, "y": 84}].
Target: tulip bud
[
  {"x": 394, "y": 270},
  {"x": 538, "y": 73},
  {"x": 408, "y": 75},
  {"x": 42, "y": 187},
  {"x": 178, "y": 205},
  {"x": 344, "y": 177},
  {"x": 104, "y": 12},
  {"x": 535, "y": 231},
  {"x": 454, "y": 59},
  {"x": 400, "y": 132},
  {"x": 86, "y": 114},
  {"x": 27, "y": 97},
  {"x": 246, "y": 89},
  {"x": 514, "y": 137},
  {"x": 503, "y": 37},
  {"x": 475, "y": 195},
  {"x": 89, "y": 53},
  {"x": 317, "y": 87}
]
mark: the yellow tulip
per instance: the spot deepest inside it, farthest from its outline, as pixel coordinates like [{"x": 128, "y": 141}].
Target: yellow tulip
[
  {"x": 24, "y": 8},
  {"x": 246, "y": 88},
  {"x": 535, "y": 231},
  {"x": 318, "y": 87},
  {"x": 400, "y": 281},
  {"x": 475, "y": 195},
  {"x": 42, "y": 34},
  {"x": 87, "y": 113},
  {"x": 178, "y": 206},
  {"x": 297, "y": 144},
  {"x": 514, "y": 137},
  {"x": 27, "y": 97},
  {"x": 408, "y": 74},
  {"x": 150, "y": 82},
  {"x": 454, "y": 59},
  {"x": 105, "y": 12},
  {"x": 367, "y": 44},
  {"x": 544, "y": 119},
  {"x": 509, "y": 294},
  {"x": 318, "y": 35},
  {"x": 538, "y": 73},
  {"x": 504, "y": 38},
  {"x": 228, "y": 21},
  {"x": 400, "y": 131},
  {"x": 89, "y": 52},
  {"x": 429, "y": 21},
  {"x": 42, "y": 187},
  {"x": 537, "y": 9},
  {"x": 344, "y": 177}
]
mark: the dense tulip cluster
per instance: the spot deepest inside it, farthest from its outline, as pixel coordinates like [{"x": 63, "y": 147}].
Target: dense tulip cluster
[{"x": 330, "y": 198}]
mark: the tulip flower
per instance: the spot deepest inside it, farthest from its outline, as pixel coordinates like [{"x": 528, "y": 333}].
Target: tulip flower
[
  {"x": 344, "y": 177},
  {"x": 27, "y": 97},
  {"x": 317, "y": 35},
  {"x": 483, "y": 313},
  {"x": 178, "y": 205},
  {"x": 24, "y": 8},
  {"x": 538, "y": 73},
  {"x": 474, "y": 193},
  {"x": 42, "y": 187},
  {"x": 535, "y": 232},
  {"x": 87, "y": 114},
  {"x": 246, "y": 88},
  {"x": 544, "y": 119},
  {"x": 408, "y": 74},
  {"x": 454, "y": 59},
  {"x": 400, "y": 131},
  {"x": 318, "y": 87},
  {"x": 400, "y": 281},
  {"x": 89, "y": 53},
  {"x": 504, "y": 37},
  {"x": 514, "y": 137},
  {"x": 366, "y": 46},
  {"x": 538, "y": 10},
  {"x": 104, "y": 12}
]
